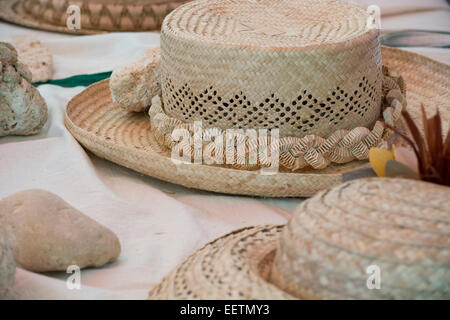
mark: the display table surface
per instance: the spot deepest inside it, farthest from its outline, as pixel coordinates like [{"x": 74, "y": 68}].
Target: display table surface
[{"x": 158, "y": 224}]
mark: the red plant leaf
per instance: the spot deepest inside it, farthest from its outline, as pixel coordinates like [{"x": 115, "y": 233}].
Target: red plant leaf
[
  {"x": 437, "y": 143},
  {"x": 433, "y": 136},
  {"x": 433, "y": 153},
  {"x": 446, "y": 159},
  {"x": 423, "y": 156}
]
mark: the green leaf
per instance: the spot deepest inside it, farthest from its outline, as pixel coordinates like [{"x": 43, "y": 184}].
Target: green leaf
[{"x": 79, "y": 80}]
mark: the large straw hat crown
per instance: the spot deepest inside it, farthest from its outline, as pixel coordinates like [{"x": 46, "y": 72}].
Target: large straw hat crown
[
  {"x": 399, "y": 227},
  {"x": 303, "y": 66}
]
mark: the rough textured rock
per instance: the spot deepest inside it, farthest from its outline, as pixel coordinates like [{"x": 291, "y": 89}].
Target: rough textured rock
[
  {"x": 35, "y": 56},
  {"x": 22, "y": 109},
  {"x": 134, "y": 86},
  {"x": 50, "y": 235},
  {"x": 7, "y": 266}
]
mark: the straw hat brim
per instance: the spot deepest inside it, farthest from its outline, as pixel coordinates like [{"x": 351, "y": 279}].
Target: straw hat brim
[
  {"x": 12, "y": 11},
  {"x": 126, "y": 139},
  {"x": 235, "y": 266}
]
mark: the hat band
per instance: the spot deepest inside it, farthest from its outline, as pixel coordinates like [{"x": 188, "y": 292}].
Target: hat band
[{"x": 295, "y": 153}]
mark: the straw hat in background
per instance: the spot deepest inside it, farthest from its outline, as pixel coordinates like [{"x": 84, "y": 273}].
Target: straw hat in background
[
  {"x": 312, "y": 69},
  {"x": 96, "y": 15},
  {"x": 334, "y": 247}
]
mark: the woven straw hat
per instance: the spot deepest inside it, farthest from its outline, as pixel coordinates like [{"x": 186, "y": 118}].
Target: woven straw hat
[
  {"x": 400, "y": 226},
  {"x": 96, "y": 15},
  {"x": 309, "y": 70},
  {"x": 313, "y": 70}
]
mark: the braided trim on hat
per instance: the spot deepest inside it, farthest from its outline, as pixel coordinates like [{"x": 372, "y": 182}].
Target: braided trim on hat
[{"x": 295, "y": 153}]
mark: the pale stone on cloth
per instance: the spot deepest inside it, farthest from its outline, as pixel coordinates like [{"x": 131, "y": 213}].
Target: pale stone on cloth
[
  {"x": 35, "y": 56},
  {"x": 134, "y": 86},
  {"x": 7, "y": 265},
  {"x": 22, "y": 109},
  {"x": 50, "y": 235}
]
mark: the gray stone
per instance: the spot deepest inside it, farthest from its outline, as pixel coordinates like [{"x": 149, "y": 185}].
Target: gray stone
[
  {"x": 133, "y": 86},
  {"x": 22, "y": 109},
  {"x": 7, "y": 266}
]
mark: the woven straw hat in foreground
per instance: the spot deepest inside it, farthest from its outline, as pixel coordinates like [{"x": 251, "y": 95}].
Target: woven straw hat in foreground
[
  {"x": 127, "y": 138},
  {"x": 400, "y": 226},
  {"x": 97, "y": 16},
  {"x": 306, "y": 73}
]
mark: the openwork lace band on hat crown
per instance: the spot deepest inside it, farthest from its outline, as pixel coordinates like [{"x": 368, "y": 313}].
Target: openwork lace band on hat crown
[
  {"x": 303, "y": 66},
  {"x": 341, "y": 146}
]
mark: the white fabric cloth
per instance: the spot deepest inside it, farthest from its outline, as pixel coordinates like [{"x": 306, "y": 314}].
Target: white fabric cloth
[{"x": 158, "y": 224}]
